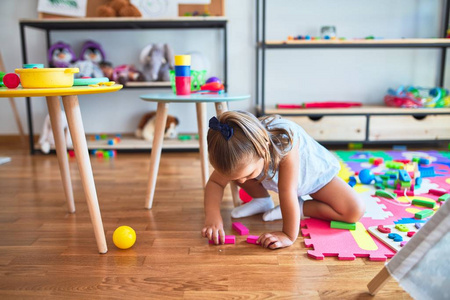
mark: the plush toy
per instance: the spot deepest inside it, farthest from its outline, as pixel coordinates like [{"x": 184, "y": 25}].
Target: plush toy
[
  {"x": 91, "y": 56},
  {"x": 122, "y": 73},
  {"x": 157, "y": 60},
  {"x": 46, "y": 140},
  {"x": 61, "y": 55},
  {"x": 92, "y": 51},
  {"x": 146, "y": 127},
  {"x": 118, "y": 8}
]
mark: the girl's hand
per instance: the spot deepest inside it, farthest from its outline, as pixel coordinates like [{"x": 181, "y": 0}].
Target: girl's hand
[
  {"x": 274, "y": 240},
  {"x": 214, "y": 231}
]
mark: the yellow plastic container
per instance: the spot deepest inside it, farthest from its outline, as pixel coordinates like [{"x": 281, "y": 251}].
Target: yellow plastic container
[
  {"x": 182, "y": 60},
  {"x": 46, "y": 77}
]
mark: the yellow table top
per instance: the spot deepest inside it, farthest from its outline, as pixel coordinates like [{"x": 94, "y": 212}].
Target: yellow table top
[{"x": 74, "y": 90}]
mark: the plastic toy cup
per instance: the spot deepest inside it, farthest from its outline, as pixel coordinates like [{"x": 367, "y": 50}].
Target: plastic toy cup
[
  {"x": 183, "y": 85},
  {"x": 182, "y": 60}
]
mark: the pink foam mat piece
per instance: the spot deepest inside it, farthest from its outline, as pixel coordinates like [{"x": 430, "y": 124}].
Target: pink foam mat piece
[{"x": 329, "y": 242}]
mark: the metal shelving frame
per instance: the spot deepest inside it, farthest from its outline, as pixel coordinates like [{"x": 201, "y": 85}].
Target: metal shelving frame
[
  {"x": 49, "y": 25},
  {"x": 262, "y": 45}
]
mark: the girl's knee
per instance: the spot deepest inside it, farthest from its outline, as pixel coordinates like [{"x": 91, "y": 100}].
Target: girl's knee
[{"x": 355, "y": 212}]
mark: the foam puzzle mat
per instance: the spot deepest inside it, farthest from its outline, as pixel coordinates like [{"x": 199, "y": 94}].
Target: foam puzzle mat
[{"x": 349, "y": 244}]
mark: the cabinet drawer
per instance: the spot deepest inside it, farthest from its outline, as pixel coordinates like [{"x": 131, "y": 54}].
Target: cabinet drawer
[
  {"x": 333, "y": 128},
  {"x": 408, "y": 128}
]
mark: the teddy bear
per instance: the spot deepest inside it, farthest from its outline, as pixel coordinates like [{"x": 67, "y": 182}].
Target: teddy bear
[
  {"x": 118, "y": 8},
  {"x": 46, "y": 140},
  {"x": 146, "y": 127}
]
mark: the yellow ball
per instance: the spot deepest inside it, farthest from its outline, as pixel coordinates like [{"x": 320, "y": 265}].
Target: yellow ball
[{"x": 124, "y": 237}]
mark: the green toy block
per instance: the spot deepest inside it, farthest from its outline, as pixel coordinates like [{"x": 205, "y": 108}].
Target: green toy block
[
  {"x": 379, "y": 186},
  {"x": 444, "y": 198},
  {"x": 355, "y": 146},
  {"x": 385, "y": 194},
  {"x": 405, "y": 184},
  {"x": 184, "y": 137},
  {"x": 423, "y": 214},
  {"x": 342, "y": 225},
  {"x": 416, "y": 159},
  {"x": 418, "y": 202}
]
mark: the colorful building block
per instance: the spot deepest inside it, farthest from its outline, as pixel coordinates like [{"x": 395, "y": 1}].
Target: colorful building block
[
  {"x": 436, "y": 192},
  {"x": 229, "y": 239},
  {"x": 241, "y": 229},
  {"x": 423, "y": 214},
  {"x": 425, "y": 203},
  {"x": 404, "y": 176},
  {"x": 444, "y": 198},
  {"x": 411, "y": 233},
  {"x": 385, "y": 194},
  {"x": 252, "y": 239},
  {"x": 352, "y": 181},
  {"x": 342, "y": 225}
]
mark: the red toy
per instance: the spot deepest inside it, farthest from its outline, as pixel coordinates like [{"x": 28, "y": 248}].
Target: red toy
[
  {"x": 212, "y": 86},
  {"x": 11, "y": 80},
  {"x": 330, "y": 104}
]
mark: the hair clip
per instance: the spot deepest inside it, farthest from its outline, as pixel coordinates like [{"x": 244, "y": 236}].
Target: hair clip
[{"x": 225, "y": 129}]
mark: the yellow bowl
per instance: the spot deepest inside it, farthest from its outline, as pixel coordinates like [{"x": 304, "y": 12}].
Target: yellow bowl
[{"x": 46, "y": 77}]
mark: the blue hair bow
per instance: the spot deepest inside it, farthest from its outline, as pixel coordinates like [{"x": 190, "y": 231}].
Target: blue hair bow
[{"x": 225, "y": 129}]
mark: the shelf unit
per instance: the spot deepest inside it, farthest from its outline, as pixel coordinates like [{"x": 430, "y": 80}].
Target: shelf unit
[
  {"x": 75, "y": 24},
  {"x": 365, "y": 124}
]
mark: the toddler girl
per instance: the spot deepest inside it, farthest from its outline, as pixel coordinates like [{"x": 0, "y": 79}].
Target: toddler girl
[{"x": 278, "y": 155}]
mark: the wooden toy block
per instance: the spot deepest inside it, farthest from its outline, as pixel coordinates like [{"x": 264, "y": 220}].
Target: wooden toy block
[
  {"x": 342, "y": 225},
  {"x": 383, "y": 229},
  {"x": 401, "y": 227},
  {"x": 241, "y": 229},
  {"x": 229, "y": 239},
  {"x": 411, "y": 233},
  {"x": 444, "y": 198},
  {"x": 252, "y": 239},
  {"x": 404, "y": 176},
  {"x": 425, "y": 203},
  {"x": 423, "y": 214},
  {"x": 436, "y": 192},
  {"x": 385, "y": 194}
]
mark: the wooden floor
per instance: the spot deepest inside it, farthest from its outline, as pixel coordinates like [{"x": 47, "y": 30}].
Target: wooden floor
[{"x": 45, "y": 252}]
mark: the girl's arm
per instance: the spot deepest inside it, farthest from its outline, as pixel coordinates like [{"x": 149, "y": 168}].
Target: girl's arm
[
  {"x": 213, "y": 229},
  {"x": 290, "y": 210}
]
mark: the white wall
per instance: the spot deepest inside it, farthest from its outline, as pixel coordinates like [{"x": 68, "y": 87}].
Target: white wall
[{"x": 292, "y": 75}]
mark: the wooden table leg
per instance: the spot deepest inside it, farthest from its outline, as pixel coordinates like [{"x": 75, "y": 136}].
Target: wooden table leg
[
  {"x": 202, "y": 131},
  {"x": 54, "y": 111},
  {"x": 73, "y": 114},
  {"x": 222, "y": 107},
  {"x": 161, "y": 118}
]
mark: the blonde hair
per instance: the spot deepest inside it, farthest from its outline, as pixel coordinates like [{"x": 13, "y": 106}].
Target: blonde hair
[{"x": 251, "y": 138}]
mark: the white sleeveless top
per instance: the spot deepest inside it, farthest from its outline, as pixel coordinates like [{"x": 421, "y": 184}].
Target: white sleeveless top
[{"x": 317, "y": 166}]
